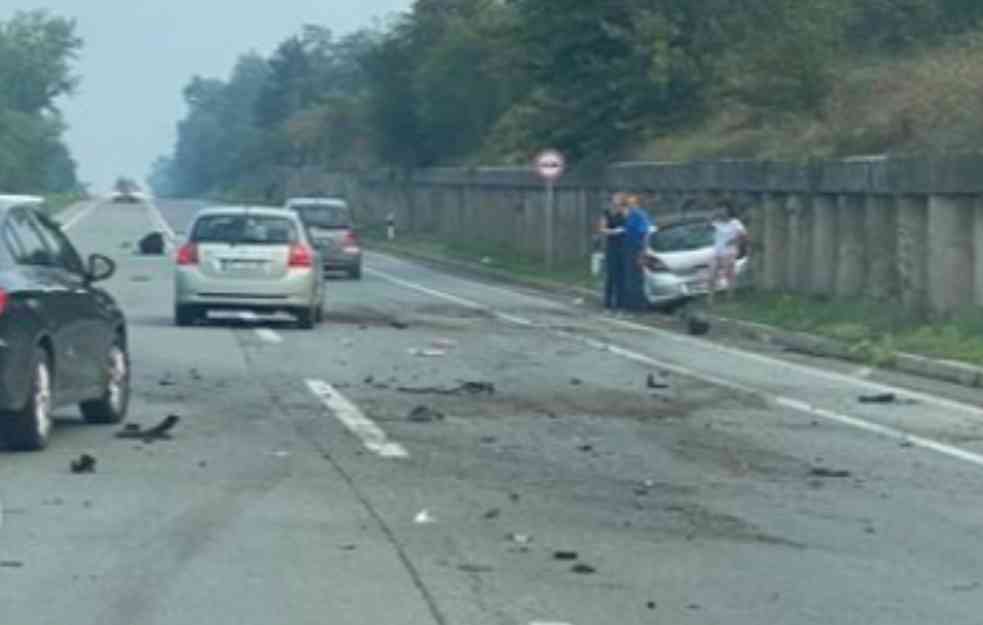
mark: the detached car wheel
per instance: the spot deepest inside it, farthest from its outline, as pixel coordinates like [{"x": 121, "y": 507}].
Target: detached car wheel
[
  {"x": 29, "y": 429},
  {"x": 115, "y": 400}
]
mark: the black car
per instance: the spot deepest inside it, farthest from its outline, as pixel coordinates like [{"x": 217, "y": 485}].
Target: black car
[{"x": 62, "y": 340}]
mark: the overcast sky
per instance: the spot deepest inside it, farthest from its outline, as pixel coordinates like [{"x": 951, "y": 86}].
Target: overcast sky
[{"x": 139, "y": 54}]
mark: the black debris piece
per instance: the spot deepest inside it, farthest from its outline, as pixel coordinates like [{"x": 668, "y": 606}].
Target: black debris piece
[
  {"x": 11, "y": 564},
  {"x": 586, "y": 448},
  {"x": 399, "y": 325},
  {"x": 83, "y": 464},
  {"x": 907, "y": 444},
  {"x": 202, "y": 464},
  {"x": 492, "y": 514},
  {"x": 469, "y": 388},
  {"x": 488, "y": 440},
  {"x": 880, "y": 398},
  {"x": 475, "y": 568},
  {"x": 195, "y": 375},
  {"x": 652, "y": 383},
  {"x": 370, "y": 380},
  {"x": 131, "y": 427},
  {"x": 349, "y": 547},
  {"x": 565, "y": 555},
  {"x": 576, "y": 381},
  {"x": 167, "y": 380},
  {"x": 152, "y": 244},
  {"x": 697, "y": 324},
  {"x": 161, "y": 431},
  {"x": 425, "y": 414},
  {"x": 650, "y": 605},
  {"x": 824, "y": 472},
  {"x": 583, "y": 569},
  {"x": 514, "y": 497}
]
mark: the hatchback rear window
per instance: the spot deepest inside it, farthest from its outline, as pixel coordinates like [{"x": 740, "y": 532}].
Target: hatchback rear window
[
  {"x": 324, "y": 215},
  {"x": 244, "y": 229},
  {"x": 683, "y": 237}
]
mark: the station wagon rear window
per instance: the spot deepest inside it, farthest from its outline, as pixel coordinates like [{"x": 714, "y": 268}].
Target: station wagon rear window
[
  {"x": 324, "y": 215},
  {"x": 683, "y": 237},
  {"x": 244, "y": 229}
]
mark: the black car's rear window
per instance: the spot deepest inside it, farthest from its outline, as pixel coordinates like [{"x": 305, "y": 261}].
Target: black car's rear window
[
  {"x": 324, "y": 215},
  {"x": 682, "y": 237},
  {"x": 244, "y": 229}
]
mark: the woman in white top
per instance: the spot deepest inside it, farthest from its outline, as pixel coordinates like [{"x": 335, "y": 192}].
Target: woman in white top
[{"x": 729, "y": 234}]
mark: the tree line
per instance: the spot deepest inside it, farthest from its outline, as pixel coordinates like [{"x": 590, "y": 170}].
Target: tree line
[
  {"x": 461, "y": 82},
  {"x": 37, "y": 51}
]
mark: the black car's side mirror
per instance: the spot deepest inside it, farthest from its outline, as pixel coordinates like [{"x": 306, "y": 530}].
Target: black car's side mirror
[{"x": 100, "y": 268}]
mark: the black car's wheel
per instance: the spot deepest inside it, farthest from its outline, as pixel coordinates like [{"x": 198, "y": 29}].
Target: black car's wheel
[
  {"x": 185, "y": 315},
  {"x": 112, "y": 405},
  {"x": 29, "y": 428},
  {"x": 319, "y": 313},
  {"x": 356, "y": 273}
]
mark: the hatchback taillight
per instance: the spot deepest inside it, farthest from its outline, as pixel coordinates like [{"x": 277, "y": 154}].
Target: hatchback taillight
[
  {"x": 350, "y": 242},
  {"x": 188, "y": 254},
  {"x": 301, "y": 256},
  {"x": 4, "y": 300}
]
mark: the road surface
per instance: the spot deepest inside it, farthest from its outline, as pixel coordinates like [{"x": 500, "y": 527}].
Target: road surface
[{"x": 748, "y": 488}]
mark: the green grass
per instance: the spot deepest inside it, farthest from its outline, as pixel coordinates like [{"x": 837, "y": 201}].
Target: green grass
[
  {"x": 875, "y": 330},
  {"x": 58, "y": 202}
]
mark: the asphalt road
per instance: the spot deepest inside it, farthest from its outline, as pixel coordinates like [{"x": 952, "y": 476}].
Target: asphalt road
[{"x": 297, "y": 491}]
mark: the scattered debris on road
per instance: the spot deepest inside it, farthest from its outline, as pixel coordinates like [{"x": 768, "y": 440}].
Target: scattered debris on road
[
  {"x": 11, "y": 564},
  {"x": 488, "y": 440},
  {"x": 470, "y": 388},
  {"x": 167, "y": 380},
  {"x": 475, "y": 568},
  {"x": 399, "y": 325},
  {"x": 697, "y": 324},
  {"x": 348, "y": 547},
  {"x": 426, "y": 353},
  {"x": 823, "y": 472},
  {"x": 519, "y": 539},
  {"x": 161, "y": 431},
  {"x": 576, "y": 382},
  {"x": 424, "y": 518},
  {"x": 492, "y": 514},
  {"x": 152, "y": 244},
  {"x": 880, "y": 398},
  {"x": 586, "y": 448},
  {"x": 650, "y": 605},
  {"x": 583, "y": 569},
  {"x": 565, "y": 555},
  {"x": 425, "y": 414},
  {"x": 195, "y": 375},
  {"x": 83, "y": 464},
  {"x": 653, "y": 383},
  {"x": 444, "y": 343},
  {"x": 514, "y": 497}
]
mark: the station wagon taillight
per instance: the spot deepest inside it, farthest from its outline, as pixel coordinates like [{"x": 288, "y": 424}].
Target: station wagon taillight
[
  {"x": 4, "y": 300},
  {"x": 350, "y": 242},
  {"x": 188, "y": 254},
  {"x": 301, "y": 256}
]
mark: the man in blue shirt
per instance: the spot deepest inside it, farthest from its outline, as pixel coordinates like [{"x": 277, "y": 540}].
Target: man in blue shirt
[{"x": 638, "y": 227}]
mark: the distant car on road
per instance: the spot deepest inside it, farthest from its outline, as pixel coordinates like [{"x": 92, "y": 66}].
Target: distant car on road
[
  {"x": 126, "y": 197},
  {"x": 677, "y": 264},
  {"x": 331, "y": 225},
  {"x": 244, "y": 258},
  {"x": 62, "y": 340}
]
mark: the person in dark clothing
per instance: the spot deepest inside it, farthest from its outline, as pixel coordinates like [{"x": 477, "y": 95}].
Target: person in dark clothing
[
  {"x": 638, "y": 228},
  {"x": 612, "y": 228}
]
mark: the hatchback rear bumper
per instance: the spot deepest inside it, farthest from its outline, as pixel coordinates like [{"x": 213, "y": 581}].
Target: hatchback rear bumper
[{"x": 297, "y": 289}]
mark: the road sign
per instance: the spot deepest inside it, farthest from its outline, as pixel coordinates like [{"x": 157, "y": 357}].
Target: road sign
[{"x": 550, "y": 164}]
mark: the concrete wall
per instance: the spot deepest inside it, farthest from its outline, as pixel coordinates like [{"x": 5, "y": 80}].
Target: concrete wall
[{"x": 901, "y": 230}]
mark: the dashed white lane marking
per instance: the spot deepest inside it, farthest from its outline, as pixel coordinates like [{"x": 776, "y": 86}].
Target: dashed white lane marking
[
  {"x": 77, "y": 217},
  {"x": 268, "y": 335},
  {"x": 786, "y": 402},
  {"x": 371, "y": 435}
]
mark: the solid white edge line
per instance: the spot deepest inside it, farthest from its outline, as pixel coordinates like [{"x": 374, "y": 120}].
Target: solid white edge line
[
  {"x": 371, "y": 435},
  {"x": 786, "y": 402},
  {"x": 78, "y": 216},
  {"x": 869, "y": 385}
]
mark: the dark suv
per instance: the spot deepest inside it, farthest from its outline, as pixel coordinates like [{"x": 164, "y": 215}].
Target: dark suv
[{"x": 331, "y": 227}]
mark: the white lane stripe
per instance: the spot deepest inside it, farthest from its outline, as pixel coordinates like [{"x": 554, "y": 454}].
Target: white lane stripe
[
  {"x": 77, "y": 217},
  {"x": 832, "y": 376},
  {"x": 786, "y": 402},
  {"x": 371, "y": 435},
  {"x": 268, "y": 335}
]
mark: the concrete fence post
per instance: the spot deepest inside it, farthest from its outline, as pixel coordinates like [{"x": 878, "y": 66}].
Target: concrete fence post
[
  {"x": 776, "y": 241},
  {"x": 912, "y": 253},
  {"x": 799, "y": 248},
  {"x": 851, "y": 258},
  {"x": 978, "y": 253},
  {"x": 881, "y": 233},
  {"x": 756, "y": 233},
  {"x": 950, "y": 252},
  {"x": 824, "y": 219}
]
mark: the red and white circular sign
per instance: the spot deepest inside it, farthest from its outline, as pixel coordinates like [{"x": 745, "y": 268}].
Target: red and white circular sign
[{"x": 550, "y": 164}]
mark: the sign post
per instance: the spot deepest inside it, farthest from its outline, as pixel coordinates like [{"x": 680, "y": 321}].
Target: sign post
[{"x": 550, "y": 165}]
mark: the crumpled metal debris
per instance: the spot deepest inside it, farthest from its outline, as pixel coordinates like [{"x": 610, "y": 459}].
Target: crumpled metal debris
[
  {"x": 161, "y": 431},
  {"x": 83, "y": 464}
]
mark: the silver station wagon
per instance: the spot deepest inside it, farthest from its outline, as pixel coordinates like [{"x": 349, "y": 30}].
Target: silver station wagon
[{"x": 248, "y": 259}]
